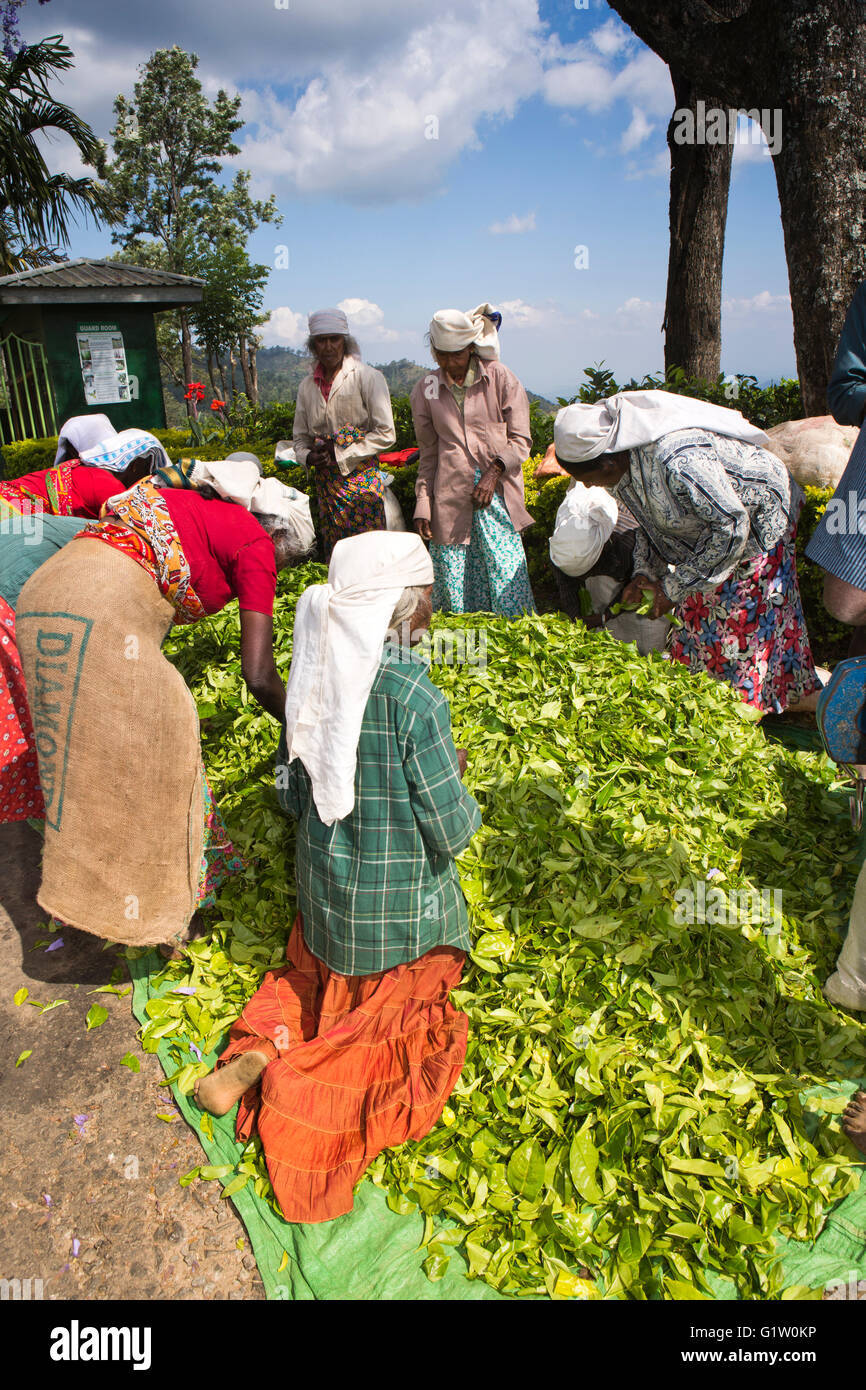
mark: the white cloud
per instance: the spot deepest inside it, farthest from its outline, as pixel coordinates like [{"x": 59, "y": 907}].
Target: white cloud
[
  {"x": 762, "y": 303},
  {"x": 635, "y": 307},
  {"x": 638, "y": 131},
  {"x": 588, "y": 314},
  {"x": 583, "y": 78},
  {"x": 655, "y": 166},
  {"x": 513, "y": 225},
  {"x": 750, "y": 144},
  {"x": 284, "y": 328},
  {"x": 586, "y": 82},
  {"x": 611, "y": 38},
  {"x": 390, "y": 127},
  {"x": 516, "y": 313},
  {"x": 367, "y": 317}
]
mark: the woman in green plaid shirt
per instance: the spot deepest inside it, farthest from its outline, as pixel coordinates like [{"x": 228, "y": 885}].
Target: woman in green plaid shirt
[{"x": 355, "y": 1041}]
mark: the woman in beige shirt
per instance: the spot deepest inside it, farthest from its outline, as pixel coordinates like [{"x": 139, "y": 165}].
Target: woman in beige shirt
[
  {"x": 343, "y": 421},
  {"x": 472, "y": 426}
]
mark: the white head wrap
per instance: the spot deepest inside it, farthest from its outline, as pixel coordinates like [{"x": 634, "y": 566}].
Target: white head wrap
[
  {"x": 339, "y": 633},
  {"x": 631, "y": 419},
  {"x": 584, "y": 524},
  {"x": 83, "y": 432},
  {"x": 241, "y": 481},
  {"x": 451, "y": 331},
  {"x": 117, "y": 452},
  {"x": 325, "y": 322}
]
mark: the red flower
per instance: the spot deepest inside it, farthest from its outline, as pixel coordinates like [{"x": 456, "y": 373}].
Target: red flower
[
  {"x": 195, "y": 390},
  {"x": 217, "y": 405}
]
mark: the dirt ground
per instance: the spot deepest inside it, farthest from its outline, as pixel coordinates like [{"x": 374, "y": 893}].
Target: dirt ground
[{"x": 89, "y": 1172}]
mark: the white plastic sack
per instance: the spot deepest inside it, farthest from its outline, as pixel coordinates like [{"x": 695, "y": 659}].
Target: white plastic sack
[
  {"x": 393, "y": 511},
  {"x": 584, "y": 524},
  {"x": 284, "y": 452}
]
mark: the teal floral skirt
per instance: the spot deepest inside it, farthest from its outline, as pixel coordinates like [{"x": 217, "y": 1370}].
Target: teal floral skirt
[{"x": 488, "y": 575}]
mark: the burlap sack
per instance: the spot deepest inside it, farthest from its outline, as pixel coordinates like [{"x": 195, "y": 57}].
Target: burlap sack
[{"x": 118, "y": 742}]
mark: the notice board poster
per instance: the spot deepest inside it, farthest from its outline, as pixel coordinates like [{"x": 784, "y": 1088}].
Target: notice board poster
[{"x": 103, "y": 363}]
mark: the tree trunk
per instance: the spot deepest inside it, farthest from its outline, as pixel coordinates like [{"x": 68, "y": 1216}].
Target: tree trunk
[
  {"x": 186, "y": 348},
  {"x": 245, "y": 368},
  {"x": 224, "y": 395},
  {"x": 210, "y": 374},
  {"x": 802, "y": 62},
  {"x": 254, "y": 372},
  {"x": 700, "y": 179},
  {"x": 232, "y": 371},
  {"x": 821, "y": 177}
]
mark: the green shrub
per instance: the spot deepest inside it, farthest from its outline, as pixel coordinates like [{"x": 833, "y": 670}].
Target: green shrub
[
  {"x": 764, "y": 406},
  {"x": 829, "y": 639}
]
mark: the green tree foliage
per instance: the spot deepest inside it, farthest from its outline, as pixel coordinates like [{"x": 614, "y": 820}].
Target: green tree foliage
[
  {"x": 169, "y": 146},
  {"x": 764, "y": 406},
  {"x": 37, "y": 208}
]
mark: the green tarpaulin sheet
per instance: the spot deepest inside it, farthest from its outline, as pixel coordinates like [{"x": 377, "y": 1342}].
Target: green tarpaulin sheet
[{"x": 373, "y": 1253}]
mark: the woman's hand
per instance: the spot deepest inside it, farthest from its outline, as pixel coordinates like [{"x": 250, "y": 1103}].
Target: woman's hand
[
  {"x": 633, "y": 596},
  {"x": 423, "y": 527},
  {"x": 322, "y": 454},
  {"x": 462, "y": 760},
  {"x": 486, "y": 486}
]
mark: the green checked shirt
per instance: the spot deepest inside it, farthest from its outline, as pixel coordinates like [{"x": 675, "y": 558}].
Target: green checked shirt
[{"x": 380, "y": 887}]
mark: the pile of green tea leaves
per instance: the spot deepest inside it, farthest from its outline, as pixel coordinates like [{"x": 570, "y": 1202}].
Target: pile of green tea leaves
[{"x": 640, "y": 1111}]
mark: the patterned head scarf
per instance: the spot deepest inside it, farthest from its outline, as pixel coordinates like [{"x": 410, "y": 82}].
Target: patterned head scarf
[{"x": 118, "y": 452}]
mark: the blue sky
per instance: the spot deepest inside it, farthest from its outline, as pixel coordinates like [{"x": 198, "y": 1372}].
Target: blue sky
[{"x": 548, "y": 130}]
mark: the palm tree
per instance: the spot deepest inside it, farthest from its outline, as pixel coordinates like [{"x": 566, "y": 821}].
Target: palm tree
[{"x": 37, "y": 208}]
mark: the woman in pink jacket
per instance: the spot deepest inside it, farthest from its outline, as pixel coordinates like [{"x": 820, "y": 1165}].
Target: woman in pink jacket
[{"x": 472, "y": 426}]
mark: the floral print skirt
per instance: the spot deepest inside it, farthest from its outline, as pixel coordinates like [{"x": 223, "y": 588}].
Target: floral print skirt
[
  {"x": 750, "y": 631},
  {"x": 349, "y": 506},
  {"x": 488, "y": 575},
  {"x": 20, "y": 794}
]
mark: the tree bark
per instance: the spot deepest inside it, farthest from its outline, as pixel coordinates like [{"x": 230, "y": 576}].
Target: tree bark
[
  {"x": 186, "y": 349},
  {"x": 210, "y": 374},
  {"x": 700, "y": 180},
  {"x": 801, "y": 61},
  {"x": 232, "y": 371},
  {"x": 254, "y": 372},
  {"x": 245, "y": 368}
]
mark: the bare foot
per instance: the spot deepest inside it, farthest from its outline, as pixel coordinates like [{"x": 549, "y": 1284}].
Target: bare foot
[
  {"x": 223, "y": 1087},
  {"x": 854, "y": 1121}
]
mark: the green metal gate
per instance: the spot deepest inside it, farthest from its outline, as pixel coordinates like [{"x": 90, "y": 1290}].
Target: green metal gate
[{"x": 26, "y": 399}]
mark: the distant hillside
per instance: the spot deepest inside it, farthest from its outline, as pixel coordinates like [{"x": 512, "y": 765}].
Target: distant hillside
[{"x": 282, "y": 369}]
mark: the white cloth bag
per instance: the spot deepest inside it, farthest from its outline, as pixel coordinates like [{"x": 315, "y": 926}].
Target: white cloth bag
[{"x": 584, "y": 524}]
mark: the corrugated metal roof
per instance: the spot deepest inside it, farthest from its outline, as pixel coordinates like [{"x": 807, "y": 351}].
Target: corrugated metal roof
[{"x": 86, "y": 274}]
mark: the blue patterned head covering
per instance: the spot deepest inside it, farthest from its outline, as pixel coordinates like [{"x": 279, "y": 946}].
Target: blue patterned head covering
[{"x": 118, "y": 452}]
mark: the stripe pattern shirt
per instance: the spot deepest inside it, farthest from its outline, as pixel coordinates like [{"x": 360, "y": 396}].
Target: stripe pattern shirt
[
  {"x": 703, "y": 503},
  {"x": 380, "y": 887}
]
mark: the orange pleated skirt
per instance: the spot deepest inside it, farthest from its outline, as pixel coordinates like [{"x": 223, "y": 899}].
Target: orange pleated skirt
[{"x": 358, "y": 1063}]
